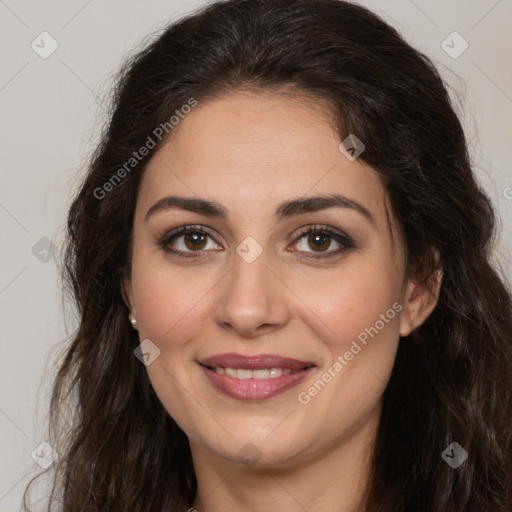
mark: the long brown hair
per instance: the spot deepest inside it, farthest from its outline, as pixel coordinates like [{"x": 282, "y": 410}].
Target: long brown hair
[{"x": 452, "y": 379}]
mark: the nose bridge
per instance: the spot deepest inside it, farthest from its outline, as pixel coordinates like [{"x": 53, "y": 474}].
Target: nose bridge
[{"x": 253, "y": 299}]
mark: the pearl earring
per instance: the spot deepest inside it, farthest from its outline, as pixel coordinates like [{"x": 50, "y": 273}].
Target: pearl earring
[{"x": 133, "y": 320}]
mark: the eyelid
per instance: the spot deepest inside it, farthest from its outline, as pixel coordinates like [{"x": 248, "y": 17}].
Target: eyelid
[
  {"x": 335, "y": 234},
  {"x": 183, "y": 230}
]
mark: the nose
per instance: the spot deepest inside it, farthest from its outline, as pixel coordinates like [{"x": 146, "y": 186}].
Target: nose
[{"x": 252, "y": 300}]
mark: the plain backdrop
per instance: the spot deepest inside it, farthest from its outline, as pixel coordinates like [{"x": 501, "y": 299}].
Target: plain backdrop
[{"x": 52, "y": 110}]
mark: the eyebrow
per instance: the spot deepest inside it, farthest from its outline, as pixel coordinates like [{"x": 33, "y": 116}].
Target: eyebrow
[{"x": 284, "y": 210}]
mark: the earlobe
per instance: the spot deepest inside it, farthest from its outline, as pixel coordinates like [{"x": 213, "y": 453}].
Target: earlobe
[
  {"x": 420, "y": 300},
  {"x": 127, "y": 294}
]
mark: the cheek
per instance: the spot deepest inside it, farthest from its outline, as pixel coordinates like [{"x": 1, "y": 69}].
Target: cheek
[
  {"x": 359, "y": 313},
  {"x": 352, "y": 299},
  {"x": 362, "y": 311},
  {"x": 171, "y": 311},
  {"x": 169, "y": 298}
]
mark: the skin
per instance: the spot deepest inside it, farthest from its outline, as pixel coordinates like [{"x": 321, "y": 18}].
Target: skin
[{"x": 250, "y": 152}]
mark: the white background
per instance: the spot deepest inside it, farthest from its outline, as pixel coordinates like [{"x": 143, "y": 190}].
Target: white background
[{"x": 51, "y": 116}]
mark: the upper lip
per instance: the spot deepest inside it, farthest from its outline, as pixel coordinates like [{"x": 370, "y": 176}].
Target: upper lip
[{"x": 256, "y": 362}]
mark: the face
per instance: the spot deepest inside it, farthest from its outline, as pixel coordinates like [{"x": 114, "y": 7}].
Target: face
[{"x": 267, "y": 277}]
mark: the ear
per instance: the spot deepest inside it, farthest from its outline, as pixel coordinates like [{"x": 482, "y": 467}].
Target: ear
[
  {"x": 420, "y": 299},
  {"x": 127, "y": 294}
]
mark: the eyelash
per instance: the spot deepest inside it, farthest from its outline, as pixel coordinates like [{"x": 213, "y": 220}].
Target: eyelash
[{"x": 344, "y": 240}]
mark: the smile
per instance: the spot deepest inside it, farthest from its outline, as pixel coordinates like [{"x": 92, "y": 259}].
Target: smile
[
  {"x": 242, "y": 373},
  {"x": 254, "y": 378}
]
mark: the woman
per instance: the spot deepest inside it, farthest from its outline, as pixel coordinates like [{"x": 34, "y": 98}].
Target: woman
[{"x": 281, "y": 260}]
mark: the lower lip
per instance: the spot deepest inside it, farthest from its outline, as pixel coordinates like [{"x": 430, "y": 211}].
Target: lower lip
[{"x": 254, "y": 389}]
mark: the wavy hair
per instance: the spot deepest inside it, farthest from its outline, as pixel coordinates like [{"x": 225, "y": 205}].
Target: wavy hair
[{"x": 452, "y": 378}]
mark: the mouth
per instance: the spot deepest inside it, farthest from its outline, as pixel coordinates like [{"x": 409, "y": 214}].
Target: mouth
[{"x": 254, "y": 378}]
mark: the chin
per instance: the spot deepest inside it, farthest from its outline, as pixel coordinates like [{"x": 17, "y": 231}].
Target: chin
[{"x": 256, "y": 448}]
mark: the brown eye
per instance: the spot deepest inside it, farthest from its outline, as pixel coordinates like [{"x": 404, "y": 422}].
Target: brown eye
[
  {"x": 319, "y": 241},
  {"x": 187, "y": 240},
  {"x": 195, "y": 240},
  {"x": 323, "y": 241}
]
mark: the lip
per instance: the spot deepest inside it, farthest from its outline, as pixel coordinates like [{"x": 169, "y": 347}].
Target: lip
[
  {"x": 256, "y": 362},
  {"x": 254, "y": 389}
]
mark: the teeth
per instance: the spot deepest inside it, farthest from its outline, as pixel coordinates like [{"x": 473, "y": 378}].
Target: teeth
[
  {"x": 239, "y": 373},
  {"x": 275, "y": 372},
  {"x": 243, "y": 374},
  {"x": 230, "y": 372},
  {"x": 261, "y": 374}
]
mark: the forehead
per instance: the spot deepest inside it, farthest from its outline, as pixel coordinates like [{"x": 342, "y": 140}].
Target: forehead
[{"x": 254, "y": 150}]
